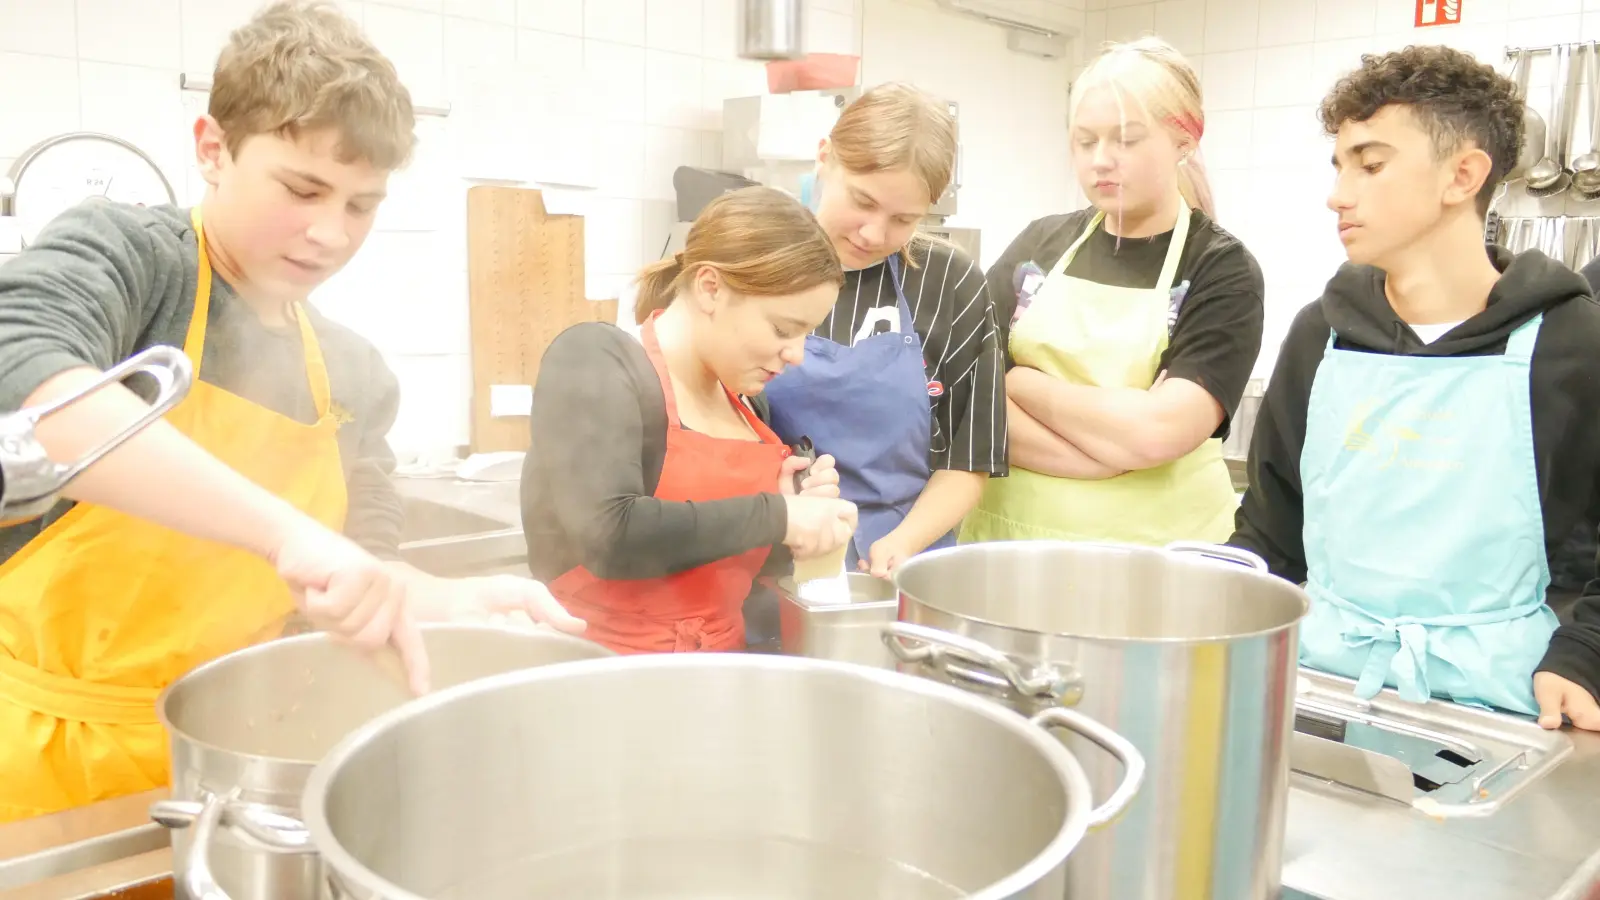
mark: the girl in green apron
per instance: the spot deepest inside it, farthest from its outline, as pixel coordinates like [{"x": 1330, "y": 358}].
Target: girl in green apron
[{"x": 1133, "y": 327}]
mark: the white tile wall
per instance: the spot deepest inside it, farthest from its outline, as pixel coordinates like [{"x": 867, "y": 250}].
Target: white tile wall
[
  {"x": 658, "y": 70},
  {"x": 650, "y": 77},
  {"x": 1265, "y": 64},
  {"x": 1013, "y": 111}
]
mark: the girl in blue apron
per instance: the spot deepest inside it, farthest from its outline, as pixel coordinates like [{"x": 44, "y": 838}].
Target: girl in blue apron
[
  {"x": 903, "y": 383},
  {"x": 1431, "y": 434}
]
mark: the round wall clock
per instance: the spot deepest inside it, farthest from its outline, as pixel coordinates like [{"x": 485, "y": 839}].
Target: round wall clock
[{"x": 61, "y": 172}]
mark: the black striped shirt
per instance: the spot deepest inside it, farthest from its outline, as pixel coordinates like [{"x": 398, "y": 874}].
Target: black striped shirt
[{"x": 955, "y": 319}]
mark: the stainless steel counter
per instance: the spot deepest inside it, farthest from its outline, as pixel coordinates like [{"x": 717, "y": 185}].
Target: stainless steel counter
[
  {"x": 456, "y": 528},
  {"x": 1543, "y": 845},
  {"x": 49, "y": 851}
]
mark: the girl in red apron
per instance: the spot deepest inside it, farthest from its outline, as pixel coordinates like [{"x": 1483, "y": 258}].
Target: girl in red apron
[{"x": 654, "y": 493}]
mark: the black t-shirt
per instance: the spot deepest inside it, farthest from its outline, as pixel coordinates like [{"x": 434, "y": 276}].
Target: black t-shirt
[
  {"x": 1216, "y": 337},
  {"x": 961, "y": 349},
  {"x": 599, "y": 443}
]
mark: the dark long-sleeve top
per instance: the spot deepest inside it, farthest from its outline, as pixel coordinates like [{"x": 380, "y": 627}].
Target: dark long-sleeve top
[
  {"x": 105, "y": 281},
  {"x": 599, "y": 443}
]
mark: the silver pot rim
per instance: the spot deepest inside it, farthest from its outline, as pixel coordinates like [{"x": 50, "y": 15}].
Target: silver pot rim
[
  {"x": 927, "y": 557},
  {"x": 271, "y": 646},
  {"x": 1074, "y": 782}
]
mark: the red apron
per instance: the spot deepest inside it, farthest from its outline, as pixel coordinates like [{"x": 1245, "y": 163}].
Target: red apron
[{"x": 702, "y": 608}]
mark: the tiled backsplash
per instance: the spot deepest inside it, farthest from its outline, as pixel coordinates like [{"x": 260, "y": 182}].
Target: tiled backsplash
[
  {"x": 1015, "y": 163},
  {"x": 656, "y": 73},
  {"x": 1265, "y": 66}
]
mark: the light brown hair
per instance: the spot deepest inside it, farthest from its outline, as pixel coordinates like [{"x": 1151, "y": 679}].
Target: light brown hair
[
  {"x": 762, "y": 242},
  {"x": 1161, "y": 82},
  {"x": 896, "y": 127},
  {"x": 303, "y": 65}
]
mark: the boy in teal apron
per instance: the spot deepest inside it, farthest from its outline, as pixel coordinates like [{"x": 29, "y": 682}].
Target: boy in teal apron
[{"x": 1431, "y": 432}]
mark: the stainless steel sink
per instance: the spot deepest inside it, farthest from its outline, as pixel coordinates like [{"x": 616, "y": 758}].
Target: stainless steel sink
[
  {"x": 50, "y": 846},
  {"x": 450, "y": 540},
  {"x": 427, "y": 520},
  {"x": 1443, "y": 759},
  {"x": 1392, "y": 800}
]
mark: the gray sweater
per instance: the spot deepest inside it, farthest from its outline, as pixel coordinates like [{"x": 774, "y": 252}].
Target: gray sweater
[{"x": 105, "y": 280}]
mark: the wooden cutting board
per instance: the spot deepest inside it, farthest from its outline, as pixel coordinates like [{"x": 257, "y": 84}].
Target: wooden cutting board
[{"x": 525, "y": 285}]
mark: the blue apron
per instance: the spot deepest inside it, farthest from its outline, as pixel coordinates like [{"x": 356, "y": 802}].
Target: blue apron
[
  {"x": 867, "y": 405},
  {"x": 1424, "y": 531}
]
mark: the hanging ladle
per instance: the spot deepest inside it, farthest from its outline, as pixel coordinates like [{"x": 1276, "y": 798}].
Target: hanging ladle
[
  {"x": 1533, "y": 130},
  {"x": 1586, "y": 168},
  {"x": 1548, "y": 176}
]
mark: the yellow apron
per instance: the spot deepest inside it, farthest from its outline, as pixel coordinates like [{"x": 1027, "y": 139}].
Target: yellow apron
[
  {"x": 1095, "y": 334},
  {"x": 102, "y": 610}
]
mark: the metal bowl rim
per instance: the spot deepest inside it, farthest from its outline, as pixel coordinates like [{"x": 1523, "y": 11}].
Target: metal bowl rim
[
  {"x": 1073, "y": 781},
  {"x": 176, "y": 734},
  {"x": 925, "y": 558}
]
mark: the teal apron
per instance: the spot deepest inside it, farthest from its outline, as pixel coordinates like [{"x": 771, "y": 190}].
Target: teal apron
[{"x": 1424, "y": 532}]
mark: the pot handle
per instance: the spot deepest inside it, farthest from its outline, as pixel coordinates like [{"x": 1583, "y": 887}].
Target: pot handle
[
  {"x": 1115, "y": 744},
  {"x": 172, "y": 372},
  {"x": 1221, "y": 552},
  {"x": 942, "y": 650},
  {"x": 273, "y": 831}
]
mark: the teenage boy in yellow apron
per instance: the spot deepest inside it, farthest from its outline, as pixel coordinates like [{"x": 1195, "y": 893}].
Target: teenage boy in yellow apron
[{"x": 201, "y": 535}]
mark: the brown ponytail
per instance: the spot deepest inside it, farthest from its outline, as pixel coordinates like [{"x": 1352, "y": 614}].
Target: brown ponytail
[
  {"x": 762, "y": 242},
  {"x": 658, "y": 284}
]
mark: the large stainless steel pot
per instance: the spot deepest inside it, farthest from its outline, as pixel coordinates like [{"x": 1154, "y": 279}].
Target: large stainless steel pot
[
  {"x": 1189, "y": 652},
  {"x": 706, "y": 776},
  {"x": 247, "y": 729}
]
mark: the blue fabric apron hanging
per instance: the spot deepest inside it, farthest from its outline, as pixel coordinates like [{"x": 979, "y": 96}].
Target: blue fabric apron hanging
[
  {"x": 1424, "y": 531},
  {"x": 867, "y": 405}
]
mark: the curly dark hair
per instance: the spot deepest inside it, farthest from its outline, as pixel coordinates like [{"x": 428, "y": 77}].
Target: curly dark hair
[{"x": 1452, "y": 95}]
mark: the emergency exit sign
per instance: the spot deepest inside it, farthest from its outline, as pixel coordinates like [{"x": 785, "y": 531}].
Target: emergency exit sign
[{"x": 1438, "y": 12}]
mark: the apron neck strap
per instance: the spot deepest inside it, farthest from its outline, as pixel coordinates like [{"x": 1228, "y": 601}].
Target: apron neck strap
[
  {"x": 658, "y": 361},
  {"x": 1519, "y": 347},
  {"x": 194, "y": 343},
  {"x": 1169, "y": 267},
  {"x": 652, "y": 349},
  {"x": 897, "y": 278},
  {"x": 1180, "y": 239}
]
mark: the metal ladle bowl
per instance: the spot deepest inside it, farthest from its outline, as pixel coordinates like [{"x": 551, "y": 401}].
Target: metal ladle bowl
[
  {"x": 1533, "y": 130},
  {"x": 1586, "y": 168},
  {"x": 1548, "y": 176}
]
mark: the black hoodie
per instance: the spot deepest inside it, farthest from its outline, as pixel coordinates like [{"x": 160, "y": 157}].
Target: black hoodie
[{"x": 1565, "y": 392}]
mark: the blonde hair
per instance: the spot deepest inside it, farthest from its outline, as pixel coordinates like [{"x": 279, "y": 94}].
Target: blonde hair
[
  {"x": 762, "y": 242},
  {"x": 1163, "y": 83},
  {"x": 303, "y": 65},
  {"x": 896, "y": 127}
]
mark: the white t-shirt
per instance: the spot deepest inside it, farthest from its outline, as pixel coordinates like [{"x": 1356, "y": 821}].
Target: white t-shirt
[{"x": 1430, "y": 333}]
